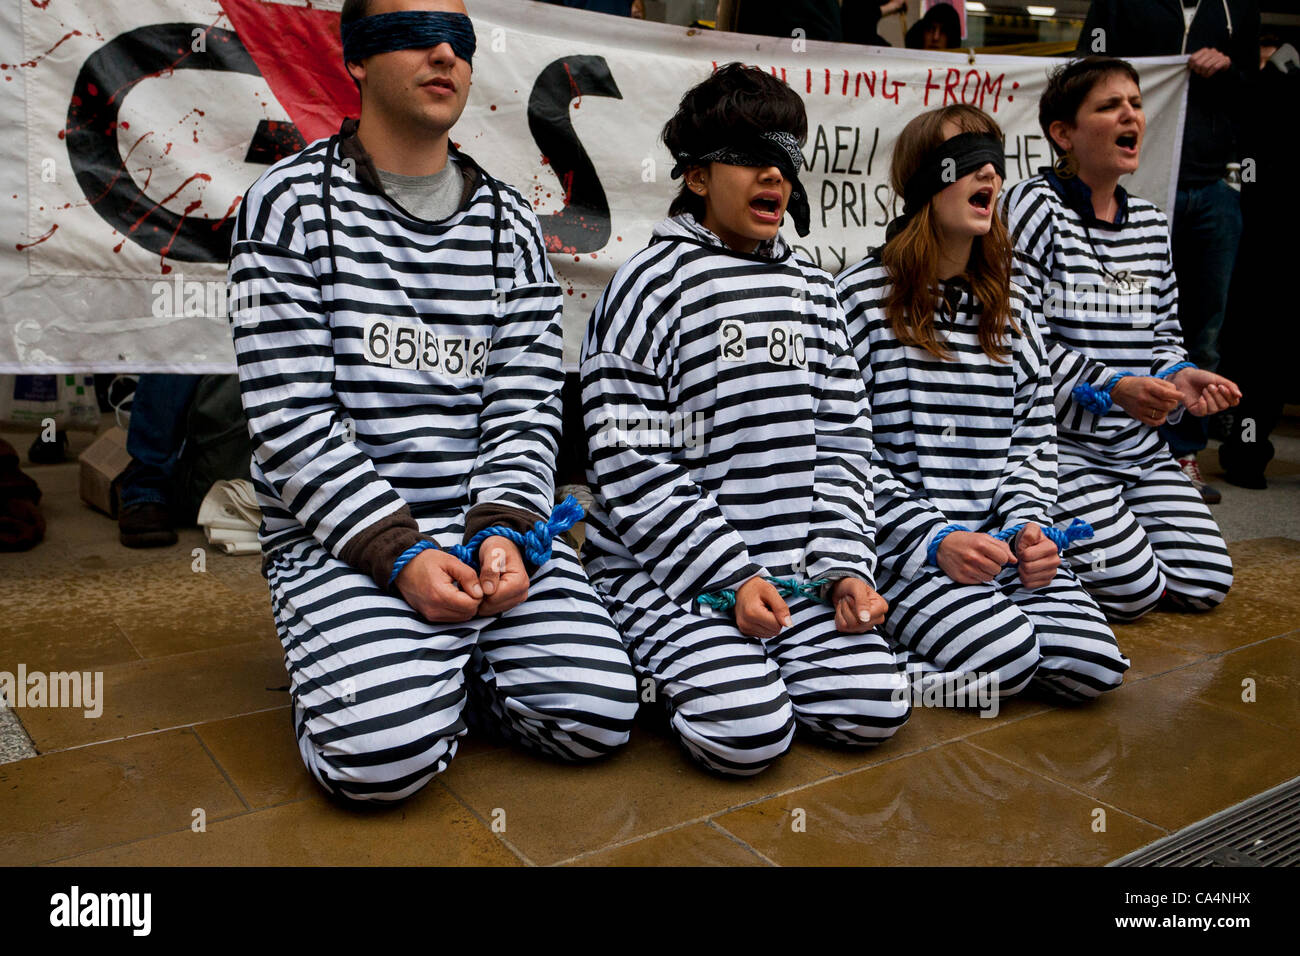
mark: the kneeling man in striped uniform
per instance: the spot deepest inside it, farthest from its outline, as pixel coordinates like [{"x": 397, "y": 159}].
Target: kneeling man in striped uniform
[
  {"x": 730, "y": 448},
  {"x": 397, "y": 331}
]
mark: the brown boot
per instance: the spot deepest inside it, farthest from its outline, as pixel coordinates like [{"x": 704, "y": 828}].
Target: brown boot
[{"x": 146, "y": 525}]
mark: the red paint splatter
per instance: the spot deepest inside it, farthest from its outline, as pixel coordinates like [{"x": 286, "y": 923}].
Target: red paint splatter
[
  {"x": 573, "y": 88},
  {"x": 20, "y": 246},
  {"x": 233, "y": 206},
  {"x": 163, "y": 267},
  {"x": 40, "y": 56},
  {"x": 493, "y": 107}
]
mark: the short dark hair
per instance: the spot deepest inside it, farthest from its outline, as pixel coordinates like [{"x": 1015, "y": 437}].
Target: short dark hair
[
  {"x": 1069, "y": 85},
  {"x": 735, "y": 102},
  {"x": 353, "y": 10}
]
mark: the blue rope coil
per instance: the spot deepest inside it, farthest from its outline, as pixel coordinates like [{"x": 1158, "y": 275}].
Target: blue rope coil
[
  {"x": 1097, "y": 400},
  {"x": 725, "y": 599},
  {"x": 534, "y": 543},
  {"x": 1079, "y": 530}
]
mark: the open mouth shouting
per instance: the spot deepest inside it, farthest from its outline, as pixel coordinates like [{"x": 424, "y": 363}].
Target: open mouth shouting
[
  {"x": 767, "y": 207},
  {"x": 1128, "y": 143},
  {"x": 982, "y": 200}
]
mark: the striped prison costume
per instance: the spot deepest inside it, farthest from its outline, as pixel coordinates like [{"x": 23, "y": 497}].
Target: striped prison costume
[
  {"x": 1107, "y": 301},
  {"x": 749, "y": 352},
  {"x": 969, "y": 441},
  {"x": 397, "y": 373}
]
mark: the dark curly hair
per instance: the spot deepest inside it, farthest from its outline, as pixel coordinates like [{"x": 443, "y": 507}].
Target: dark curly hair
[
  {"x": 1069, "y": 85},
  {"x": 735, "y": 102}
]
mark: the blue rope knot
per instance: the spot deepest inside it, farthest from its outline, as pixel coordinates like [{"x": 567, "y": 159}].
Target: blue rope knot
[
  {"x": 535, "y": 543},
  {"x": 1173, "y": 370},
  {"x": 1077, "y": 531},
  {"x": 1097, "y": 400},
  {"x": 725, "y": 599}
]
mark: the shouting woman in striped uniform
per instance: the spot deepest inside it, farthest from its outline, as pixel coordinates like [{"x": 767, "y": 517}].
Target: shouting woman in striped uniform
[
  {"x": 1096, "y": 265},
  {"x": 965, "y": 449},
  {"x": 398, "y": 345},
  {"x": 729, "y": 439}
]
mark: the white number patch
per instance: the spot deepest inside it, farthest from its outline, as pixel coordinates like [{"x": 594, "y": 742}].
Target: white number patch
[
  {"x": 731, "y": 341},
  {"x": 785, "y": 344},
  {"x": 397, "y": 344}
]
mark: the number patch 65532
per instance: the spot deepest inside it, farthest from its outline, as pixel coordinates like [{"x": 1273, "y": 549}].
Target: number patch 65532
[{"x": 407, "y": 345}]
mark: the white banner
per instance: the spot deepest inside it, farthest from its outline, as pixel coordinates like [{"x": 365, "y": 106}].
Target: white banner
[{"x": 133, "y": 129}]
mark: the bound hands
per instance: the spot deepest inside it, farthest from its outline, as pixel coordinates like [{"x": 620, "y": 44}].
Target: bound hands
[
  {"x": 970, "y": 557},
  {"x": 762, "y": 612},
  {"x": 1205, "y": 393},
  {"x": 442, "y": 588},
  {"x": 1148, "y": 399}
]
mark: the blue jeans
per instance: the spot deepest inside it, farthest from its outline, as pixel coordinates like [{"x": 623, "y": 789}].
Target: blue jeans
[
  {"x": 155, "y": 437},
  {"x": 1206, "y": 231}
]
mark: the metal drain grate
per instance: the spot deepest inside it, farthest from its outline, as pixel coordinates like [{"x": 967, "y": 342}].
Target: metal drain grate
[{"x": 1262, "y": 831}]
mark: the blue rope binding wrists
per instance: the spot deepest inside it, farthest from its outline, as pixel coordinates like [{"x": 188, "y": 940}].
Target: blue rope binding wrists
[
  {"x": 932, "y": 552},
  {"x": 1173, "y": 370},
  {"x": 1079, "y": 530},
  {"x": 1097, "y": 400},
  {"x": 534, "y": 543},
  {"x": 725, "y": 599}
]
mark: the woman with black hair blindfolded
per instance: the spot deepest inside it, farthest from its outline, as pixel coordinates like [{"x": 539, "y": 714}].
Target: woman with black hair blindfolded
[{"x": 729, "y": 436}]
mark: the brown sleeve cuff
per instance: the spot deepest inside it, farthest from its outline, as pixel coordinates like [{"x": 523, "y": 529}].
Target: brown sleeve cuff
[
  {"x": 374, "y": 550},
  {"x": 490, "y": 513}
]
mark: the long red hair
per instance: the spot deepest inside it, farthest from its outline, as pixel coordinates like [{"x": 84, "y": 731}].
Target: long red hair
[{"x": 911, "y": 258}]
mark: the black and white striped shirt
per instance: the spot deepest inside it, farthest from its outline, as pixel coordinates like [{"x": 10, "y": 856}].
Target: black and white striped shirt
[
  {"x": 752, "y": 351},
  {"x": 424, "y": 370},
  {"x": 968, "y": 441},
  {"x": 1107, "y": 300}
]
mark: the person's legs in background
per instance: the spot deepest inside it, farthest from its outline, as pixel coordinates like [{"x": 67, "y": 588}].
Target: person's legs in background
[
  {"x": 155, "y": 437},
  {"x": 1206, "y": 232}
]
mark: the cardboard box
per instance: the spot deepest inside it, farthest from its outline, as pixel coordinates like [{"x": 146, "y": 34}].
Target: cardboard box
[{"x": 102, "y": 465}]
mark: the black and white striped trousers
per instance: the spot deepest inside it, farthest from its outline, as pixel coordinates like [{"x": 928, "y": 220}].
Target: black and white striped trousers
[
  {"x": 378, "y": 691},
  {"x": 1153, "y": 533},
  {"x": 733, "y": 700},
  {"x": 1000, "y": 636}
]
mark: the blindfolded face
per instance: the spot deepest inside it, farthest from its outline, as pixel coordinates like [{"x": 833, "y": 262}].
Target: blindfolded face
[{"x": 424, "y": 88}]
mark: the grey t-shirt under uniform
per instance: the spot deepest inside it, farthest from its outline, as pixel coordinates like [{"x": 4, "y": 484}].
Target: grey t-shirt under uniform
[{"x": 428, "y": 197}]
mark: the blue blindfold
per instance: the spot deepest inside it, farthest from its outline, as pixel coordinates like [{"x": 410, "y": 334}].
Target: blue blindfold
[{"x": 408, "y": 29}]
